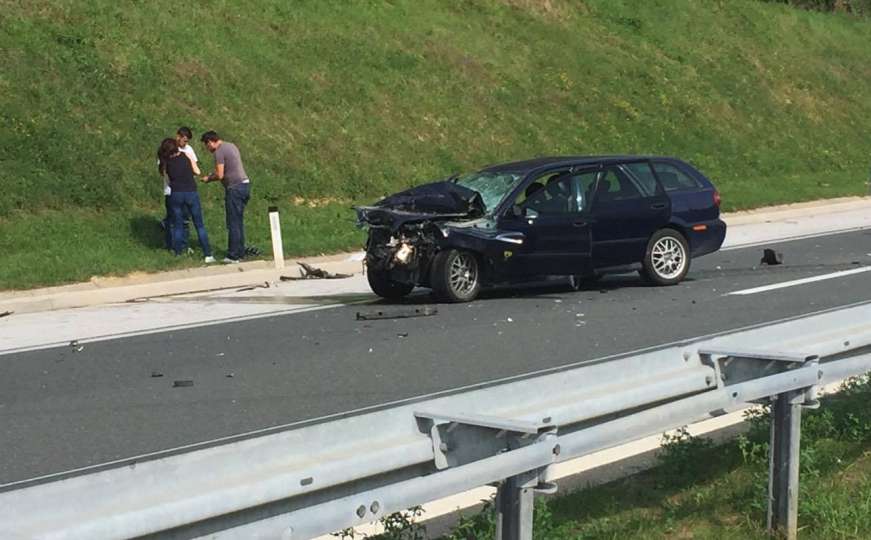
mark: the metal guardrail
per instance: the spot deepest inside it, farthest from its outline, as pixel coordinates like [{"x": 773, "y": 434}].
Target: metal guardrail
[{"x": 325, "y": 477}]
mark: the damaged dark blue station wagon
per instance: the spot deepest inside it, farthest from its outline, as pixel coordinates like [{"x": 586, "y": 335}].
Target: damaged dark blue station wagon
[{"x": 579, "y": 217}]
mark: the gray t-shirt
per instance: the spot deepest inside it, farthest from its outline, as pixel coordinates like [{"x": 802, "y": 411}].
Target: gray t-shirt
[{"x": 234, "y": 173}]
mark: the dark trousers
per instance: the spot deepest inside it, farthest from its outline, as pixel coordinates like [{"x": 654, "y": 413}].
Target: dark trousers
[
  {"x": 179, "y": 202},
  {"x": 167, "y": 224},
  {"x": 235, "y": 199}
]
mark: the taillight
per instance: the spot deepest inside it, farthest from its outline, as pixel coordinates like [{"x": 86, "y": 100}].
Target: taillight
[{"x": 717, "y": 198}]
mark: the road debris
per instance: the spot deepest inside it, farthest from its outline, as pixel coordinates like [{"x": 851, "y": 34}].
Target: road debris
[
  {"x": 230, "y": 375},
  {"x": 6, "y": 314},
  {"x": 396, "y": 313},
  {"x": 308, "y": 271},
  {"x": 156, "y": 374},
  {"x": 402, "y": 335},
  {"x": 182, "y": 383},
  {"x": 265, "y": 285},
  {"x": 771, "y": 257},
  {"x": 74, "y": 345}
]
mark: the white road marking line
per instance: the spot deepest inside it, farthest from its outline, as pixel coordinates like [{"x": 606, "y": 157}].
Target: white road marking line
[
  {"x": 795, "y": 282},
  {"x": 727, "y": 246}
]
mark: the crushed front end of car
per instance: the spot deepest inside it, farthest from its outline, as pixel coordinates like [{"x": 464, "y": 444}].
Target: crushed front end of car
[{"x": 408, "y": 229}]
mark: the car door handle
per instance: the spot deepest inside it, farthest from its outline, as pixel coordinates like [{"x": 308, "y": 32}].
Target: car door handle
[{"x": 658, "y": 206}]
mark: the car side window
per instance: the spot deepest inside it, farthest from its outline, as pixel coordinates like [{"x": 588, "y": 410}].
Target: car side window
[
  {"x": 549, "y": 196},
  {"x": 673, "y": 179},
  {"x": 614, "y": 185},
  {"x": 585, "y": 185},
  {"x": 643, "y": 175}
]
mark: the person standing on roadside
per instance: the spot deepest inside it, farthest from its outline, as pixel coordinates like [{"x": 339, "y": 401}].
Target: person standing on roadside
[
  {"x": 177, "y": 167},
  {"x": 182, "y": 137},
  {"x": 237, "y": 190}
]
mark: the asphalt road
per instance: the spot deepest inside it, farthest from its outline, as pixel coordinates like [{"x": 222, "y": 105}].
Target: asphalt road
[{"x": 62, "y": 409}]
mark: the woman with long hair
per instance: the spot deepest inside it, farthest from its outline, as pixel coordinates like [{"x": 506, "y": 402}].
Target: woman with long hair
[{"x": 178, "y": 169}]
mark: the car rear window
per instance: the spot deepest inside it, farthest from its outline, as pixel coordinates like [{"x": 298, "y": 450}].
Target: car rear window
[
  {"x": 673, "y": 179},
  {"x": 642, "y": 172}
]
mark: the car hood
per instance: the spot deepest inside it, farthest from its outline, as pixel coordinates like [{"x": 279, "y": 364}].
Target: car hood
[{"x": 437, "y": 201}]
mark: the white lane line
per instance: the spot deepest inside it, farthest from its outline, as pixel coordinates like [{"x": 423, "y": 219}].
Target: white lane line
[
  {"x": 795, "y": 282},
  {"x": 741, "y": 244},
  {"x": 182, "y": 326}
]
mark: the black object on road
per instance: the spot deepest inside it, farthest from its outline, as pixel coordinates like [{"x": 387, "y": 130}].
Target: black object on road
[
  {"x": 185, "y": 382},
  {"x": 771, "y": 257},
  {"x": 396, "y": 313},
  {"x": 310, "y": 272}
]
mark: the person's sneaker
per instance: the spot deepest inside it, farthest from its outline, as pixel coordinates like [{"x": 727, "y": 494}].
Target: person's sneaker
[
  {"x": 209, "y": 259},
  {"x": 228, "y": 260}
]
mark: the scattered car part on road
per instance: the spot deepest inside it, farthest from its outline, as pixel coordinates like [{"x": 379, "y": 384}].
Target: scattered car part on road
[
  {"x": 6, "y": 314},
  {"x": 308, "y": 271},
  {"x": 771, "y": 257},
  {"x": 264, "y": 285},
  {"x": 182, "y": 383},
  {"x": 406, "y": 313},
  {"x": 578, "y": 217}
]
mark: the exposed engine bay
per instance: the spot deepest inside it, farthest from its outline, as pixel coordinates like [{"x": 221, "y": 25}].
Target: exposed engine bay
[{"x": 407, "y": 229}]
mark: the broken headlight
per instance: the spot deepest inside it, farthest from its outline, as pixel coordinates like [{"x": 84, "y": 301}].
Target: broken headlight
[{"x": 403, "y": 254}]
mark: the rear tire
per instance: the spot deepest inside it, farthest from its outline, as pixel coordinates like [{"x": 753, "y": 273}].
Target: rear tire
[
  {"x": 383, "y": 286},
  {"x": 455, "y": 276},
  {"x": 667, "y": 259}
]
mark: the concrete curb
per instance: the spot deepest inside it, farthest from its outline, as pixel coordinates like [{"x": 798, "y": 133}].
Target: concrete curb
[
  {"x": 108, "y": 290},
  {"x": 112, "y": 290}
]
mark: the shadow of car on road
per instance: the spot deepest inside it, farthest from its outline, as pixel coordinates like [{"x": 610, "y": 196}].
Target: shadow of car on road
[{"x": 548, "y": 289}]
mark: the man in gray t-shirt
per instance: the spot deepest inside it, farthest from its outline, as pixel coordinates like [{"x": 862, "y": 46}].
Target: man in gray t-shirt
[{"x": 237, "y": 190}]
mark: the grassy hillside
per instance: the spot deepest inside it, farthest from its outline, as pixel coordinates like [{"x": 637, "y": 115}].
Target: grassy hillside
[{"x": 334, "y": 102}]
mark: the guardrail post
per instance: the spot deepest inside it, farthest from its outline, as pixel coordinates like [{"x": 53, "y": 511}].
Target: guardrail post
[
  {"x": 783, "y": 464},
  {"x": 514, "y": 507}
]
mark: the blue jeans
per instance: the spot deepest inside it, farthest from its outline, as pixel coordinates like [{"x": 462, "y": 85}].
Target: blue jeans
[
  {"x": 167, "y": 224},
  {"x": 235, "y": 199},
  {"x": 178, "y": 203}
]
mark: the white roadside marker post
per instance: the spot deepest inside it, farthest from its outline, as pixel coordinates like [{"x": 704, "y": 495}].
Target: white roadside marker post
[{"x": 275, "y": 231}]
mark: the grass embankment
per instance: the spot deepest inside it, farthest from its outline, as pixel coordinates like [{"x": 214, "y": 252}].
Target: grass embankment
[{"x": 337, "y": 102}]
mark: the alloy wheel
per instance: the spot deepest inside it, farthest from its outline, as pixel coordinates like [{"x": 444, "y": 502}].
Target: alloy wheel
[
  {"x": 668, "y": 257},
  {"x": 463, "y": 273}
]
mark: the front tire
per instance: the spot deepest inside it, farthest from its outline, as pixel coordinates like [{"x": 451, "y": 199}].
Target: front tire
[
  {"x": 383, "y": 286},
  {"x": 455, "y": 276},
  {"x": 667, "y": 259}
]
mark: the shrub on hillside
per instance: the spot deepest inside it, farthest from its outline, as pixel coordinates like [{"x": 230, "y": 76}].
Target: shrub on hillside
[{"x": 859, "y": 7}]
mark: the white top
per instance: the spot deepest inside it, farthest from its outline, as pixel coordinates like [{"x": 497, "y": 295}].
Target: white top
[{"x": 188, "y": 150}]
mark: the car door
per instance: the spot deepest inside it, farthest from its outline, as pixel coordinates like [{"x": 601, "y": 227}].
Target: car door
[
  {"x": 551, "y": 219},
  {"x": 626, "y": 210}
]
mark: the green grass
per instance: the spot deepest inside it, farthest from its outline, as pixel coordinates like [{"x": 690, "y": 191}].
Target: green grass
[{"x": 350, "y": 100}]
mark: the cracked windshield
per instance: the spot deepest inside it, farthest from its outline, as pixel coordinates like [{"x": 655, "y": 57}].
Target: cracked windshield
[{"x": 492, "y": 186}]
